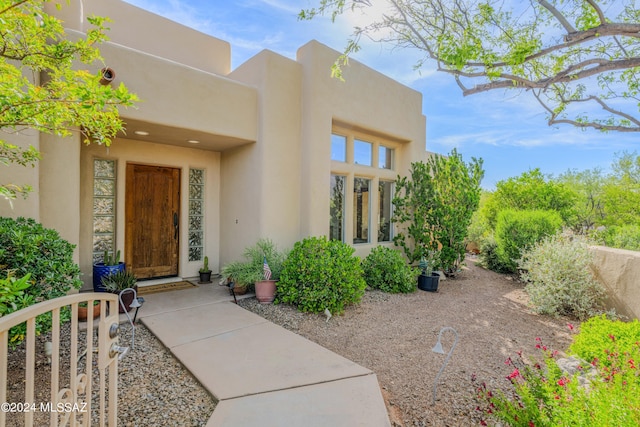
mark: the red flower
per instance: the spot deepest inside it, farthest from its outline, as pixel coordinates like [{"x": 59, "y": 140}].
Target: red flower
[
  {"x": 531, "y": 424},
  {"x": 483, "y": 423},
  {"x": 514, "y": 374},
  {"x": 632, "y": 364},
  {"x": 613, "y": 338},
  {"x": 570, "y": 326},
  {"x": 563, "y": 381}
]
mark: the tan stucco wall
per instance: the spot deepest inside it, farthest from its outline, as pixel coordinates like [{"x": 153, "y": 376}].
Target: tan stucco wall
[
  {"x": 619, "y": 271},
  {"x": 60, "y": 186},
  {"x": 262, "y": 182},
  {"x": 367, "y": 100},
  {"x": 123, "y": 151},
  {"x": 147, "y": 32},
  {"x": 176, "y": 95}
]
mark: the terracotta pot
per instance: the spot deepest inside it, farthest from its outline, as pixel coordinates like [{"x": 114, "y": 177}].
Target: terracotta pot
[
  {"x": 82, "y": 312},
  {"x": 238, "y": 289},
  {"x": 266, "y": 291}
]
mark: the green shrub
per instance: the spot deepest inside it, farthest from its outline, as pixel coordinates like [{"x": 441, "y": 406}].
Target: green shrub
[
  {"x": 559, "y": 279},
  {"x": 599, "y": 333},
  {"x": 26, "y": 247},
  {"x": 266, "y": 249},
  {"x": 251, "y": 270},
  {"x": 489, "y": 258},
  {"x": 12, "y": 292},
  {"x": 321, "y": 274},
  {"x": 622, "y": 237},
  {"x": 544, "y": 395},
  {"x": 517, "y": 230},
  {"x": 387, "y": 270}
]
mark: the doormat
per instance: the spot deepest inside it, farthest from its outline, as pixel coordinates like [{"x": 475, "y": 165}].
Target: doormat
[{"x": 165, "y": 287}]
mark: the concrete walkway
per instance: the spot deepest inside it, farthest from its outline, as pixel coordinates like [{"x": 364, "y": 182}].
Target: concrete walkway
[{"x": 261, "y": 374}]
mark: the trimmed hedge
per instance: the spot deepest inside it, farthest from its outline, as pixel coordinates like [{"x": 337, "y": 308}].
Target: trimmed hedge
[
  {"x": 321, "y": 274},
  {"x": 387, "y": 270}
]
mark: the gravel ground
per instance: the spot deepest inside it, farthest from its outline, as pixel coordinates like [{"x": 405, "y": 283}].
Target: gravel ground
[
  {"x": 393, "y": 336},
  {"x": 154, "y": 389},
  {"x": 390, "y": 334}
]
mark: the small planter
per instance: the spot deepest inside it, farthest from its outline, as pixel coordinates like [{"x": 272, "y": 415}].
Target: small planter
[
  {"x": 238, "y": 289},
  {"x": 100, "y": 270},
  {"x": 429, "y": 283},
  {"x": 83, "y": 312},
  {"x": 265, "y": 291},
  {"x": 205, "y": 277}
]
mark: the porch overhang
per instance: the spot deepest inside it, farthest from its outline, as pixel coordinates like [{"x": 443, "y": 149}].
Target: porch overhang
[{"x": 179, "y": 103}]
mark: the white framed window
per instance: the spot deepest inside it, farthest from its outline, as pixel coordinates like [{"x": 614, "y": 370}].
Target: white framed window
[{"x": 362, "y": 186}]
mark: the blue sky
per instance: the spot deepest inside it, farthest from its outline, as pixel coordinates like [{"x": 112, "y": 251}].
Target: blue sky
[{"x": 507, "y": 129}]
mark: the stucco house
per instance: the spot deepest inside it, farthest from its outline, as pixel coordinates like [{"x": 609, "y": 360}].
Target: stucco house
[{"x": 215, "y": 158}]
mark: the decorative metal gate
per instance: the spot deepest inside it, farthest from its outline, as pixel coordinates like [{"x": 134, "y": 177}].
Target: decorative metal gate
[{"x": 71, "y": 396}]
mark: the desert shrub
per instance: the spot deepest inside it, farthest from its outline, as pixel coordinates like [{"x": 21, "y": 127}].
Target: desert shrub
[
  {"x": 488, "y": 257},
  {"x": 517, "y": 230},
  {"x": 544, "y": 395},
  {"x": 622, "y": 237},
  {"x": 26, "y": 247},
  {"x": 598, "y": 334},
  {"x": 321, "y": 274},
  {"x": 559, "y": 278},
  {"x": 386, "y": 269}
]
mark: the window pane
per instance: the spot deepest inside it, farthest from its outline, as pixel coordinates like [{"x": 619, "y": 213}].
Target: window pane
[
  {"x": 336, "y": 225},
  {"x": 338, "y": 148},
  {"x": 362, "y": 152},
  {"x": 361, "y": 202},
  {"x": 385, "y": 188},
  {"x": 385, "y": 157}
]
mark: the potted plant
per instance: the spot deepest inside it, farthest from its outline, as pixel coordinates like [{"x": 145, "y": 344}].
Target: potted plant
[
  {"x": 240, "y": 275},
  {"x": 116, "y": 283},
  {"x": 205, "y": 273},
  {"x": 110, "y": 264},
  {"x": 259, "y": 260},
  {"x": 428, "y": 279},
  {"x": 83, "y": 311},
  {"x": 265, "y": 257}
]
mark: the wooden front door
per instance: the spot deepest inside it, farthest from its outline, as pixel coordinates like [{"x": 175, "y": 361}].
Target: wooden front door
[{"x": 152, "y": 219}]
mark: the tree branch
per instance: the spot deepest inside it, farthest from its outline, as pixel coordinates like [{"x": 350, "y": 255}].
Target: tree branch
[
  {"x": 559, "y": 16},
  {"x": 510, "y": 81}
]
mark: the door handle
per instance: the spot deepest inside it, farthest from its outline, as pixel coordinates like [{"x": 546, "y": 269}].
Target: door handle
[{"x": 175, "y": 225}]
